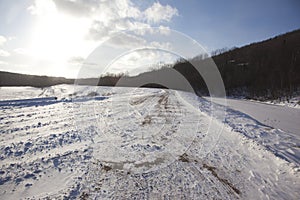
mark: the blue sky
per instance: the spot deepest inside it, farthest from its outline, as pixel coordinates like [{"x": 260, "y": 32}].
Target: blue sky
[
  {"x": 229, "y": 23},
  {"x": 53, "y": 37}
]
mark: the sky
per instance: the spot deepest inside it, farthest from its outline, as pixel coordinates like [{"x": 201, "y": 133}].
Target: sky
[{"x": 60, "y": 37}]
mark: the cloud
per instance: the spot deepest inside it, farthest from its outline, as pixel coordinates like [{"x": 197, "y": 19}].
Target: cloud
[
  {"x": 116, "y": 15},
  {"x": 78, "y": 7},
  {"x": 108, "y": 16},
  {"x": 98, "y": 31},
  {"x": 164, "y": 30},
  {"x": 4, "y": 53},
  {"x": 141, "y": 61},
  {"x": 125, "y": 40},
  {"x": 131, "y": 18},
  {"x": 98, "y": 8},
  {"x": 76, "y": 60},
  {"x": 2, "y": 40},
  {"x": 42, "y": 7},
  {"x": 21, "y": 51},
  {"x": 161, "y": 45},
  {"x": 158, "y": 13}
]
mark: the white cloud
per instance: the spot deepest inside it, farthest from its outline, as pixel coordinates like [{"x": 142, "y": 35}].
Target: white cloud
[
  {"x": 98, "y": 31},
  {"x": 79, "y": 7},
  {"x": 2, "y": 40},
  {"x": 21, "y": 51},
  {"x": 164, "y": 30},
  {"x": 113, "y": 16},
  {"x": 161, "y": 45},
  {"x": 125, "y": 40},
  {"x": 98, "y": 8},
  {"x": 76, "y": 60},
  {"x": 141, "y": 61},
  {"x": 158, "y": 13},
  {"x": 4, "y": 53},
  {"x": 42, "y": 7},
  {"x": 108, "y": 16}
]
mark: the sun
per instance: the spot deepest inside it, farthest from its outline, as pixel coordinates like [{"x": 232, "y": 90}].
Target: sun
[{"x": 56, "y": 37}]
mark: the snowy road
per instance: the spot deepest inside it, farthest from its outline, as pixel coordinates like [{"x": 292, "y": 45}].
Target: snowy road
[
  {"x": 280, "y": 117},
  {"x": 138, "y": 143}
]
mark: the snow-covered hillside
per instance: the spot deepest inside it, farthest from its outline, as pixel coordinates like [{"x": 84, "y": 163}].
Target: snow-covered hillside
[{"x": 125, "y": 143}]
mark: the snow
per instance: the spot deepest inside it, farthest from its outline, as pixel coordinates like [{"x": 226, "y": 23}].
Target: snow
[
  {"x": 276, "y": 116},
  {"x": 101, "y": 143},
  {"x": 293, "y": 102}
]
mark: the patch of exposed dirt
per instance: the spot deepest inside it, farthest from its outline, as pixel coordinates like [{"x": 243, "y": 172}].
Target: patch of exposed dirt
[
  {"x": 147, "y": 120},
  {"x": 140, "y": 100},
  {"x": 107, "y": 168},
  {"x": 184, "y": 158},
  {"x": 224, "y": 181}
]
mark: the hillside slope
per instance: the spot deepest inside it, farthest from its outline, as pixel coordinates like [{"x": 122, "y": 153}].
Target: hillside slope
[{"x": 269, "y": 68}]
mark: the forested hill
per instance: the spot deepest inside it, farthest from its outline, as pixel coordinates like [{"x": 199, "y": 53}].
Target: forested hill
[{"x": 269, "y": 68}]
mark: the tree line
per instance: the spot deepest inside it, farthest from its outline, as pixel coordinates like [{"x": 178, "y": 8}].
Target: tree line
[{"x": 269, "y": 69}]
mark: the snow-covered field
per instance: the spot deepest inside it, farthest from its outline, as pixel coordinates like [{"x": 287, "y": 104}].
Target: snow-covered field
[
  {"x": 126, "y": 143},
  {"x": 281, "y": 117}
]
